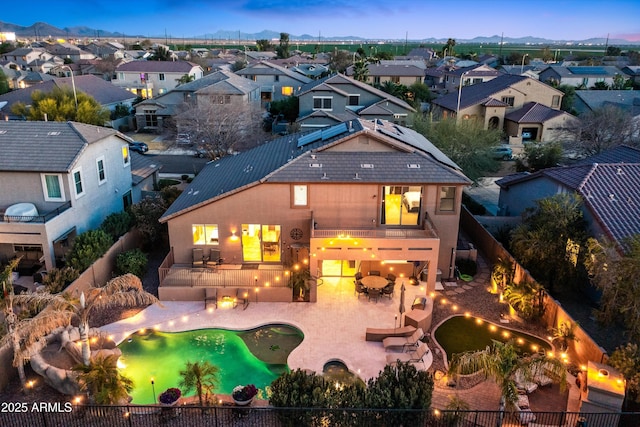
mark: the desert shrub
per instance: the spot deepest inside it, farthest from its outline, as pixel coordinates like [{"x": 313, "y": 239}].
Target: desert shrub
[
  {"x": 133, "y": 261},
  {"x": 87, "y": 248},
  {"x": 146, "y": 214},
  {"x": 170, "y": 194},
  {"x": 117, "y": 224},
  {"x": 57, "y": 279}
]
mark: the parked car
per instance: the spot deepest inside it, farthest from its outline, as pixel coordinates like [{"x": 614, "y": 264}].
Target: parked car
[
  {"x": 526, "y": 135},
  {"x": 183, "y": 138},
  {"x": 138, "y": 146},
  {"x": 502, "y": 152}
]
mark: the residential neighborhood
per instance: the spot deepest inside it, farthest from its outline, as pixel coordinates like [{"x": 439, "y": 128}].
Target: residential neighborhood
[{"x": 326, "y": 209}]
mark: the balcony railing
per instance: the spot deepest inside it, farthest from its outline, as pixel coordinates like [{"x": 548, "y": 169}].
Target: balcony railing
[
  {"x": 41, "y": 219},
  {"x": 428, "y": 231}
]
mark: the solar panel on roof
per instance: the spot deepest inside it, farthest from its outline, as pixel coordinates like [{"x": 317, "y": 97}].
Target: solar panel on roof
[
  {"x": 333, "y": 131},
  {"x": 587, "y": 70},
  {"x": 309, "y": 138}
]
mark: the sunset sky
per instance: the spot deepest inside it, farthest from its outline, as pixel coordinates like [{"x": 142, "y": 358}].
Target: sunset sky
[{"x": 374, "y": 19}]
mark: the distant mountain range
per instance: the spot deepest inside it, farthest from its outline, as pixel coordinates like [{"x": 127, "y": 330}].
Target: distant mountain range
[{"x": 42, "y": 30}]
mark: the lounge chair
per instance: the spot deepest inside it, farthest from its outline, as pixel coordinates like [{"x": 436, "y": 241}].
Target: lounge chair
[
  {"x": 523, "y": 384},
  {"x": 414, "y": 356},
  {"x": 404, "y": 342},
  {"x": 242, "y": 297},
  {"x": 540, "y": 376},
  {"x": 214, "y": 259},
  {"x": 197, "y": 258}
]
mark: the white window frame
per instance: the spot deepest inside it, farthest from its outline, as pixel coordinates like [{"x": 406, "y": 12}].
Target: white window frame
[
  {"x": 210, "y": 234},
  {"x": 161, "y": 77},
  {"x": 45, "y": 190},
  {"x": 104, "y": 170},
  {"x": 355, "y": 96},
  {"x": 322, "y": 102},
  {"x": 300, "y": 195},
  {"x": 75, "y": 183}
]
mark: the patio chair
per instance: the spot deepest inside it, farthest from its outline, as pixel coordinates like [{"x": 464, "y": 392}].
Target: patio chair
[
  {"x": 211, "y": 297},
  {"x": 197, "y": 258},
  {"x": 389, "y": 290},
  {"x": 242, "y": 297},
  {"x": 358, "y": 276},
  {"x": 374, "y": 293},
  {"x": 359, "y": 288},
  {"x": 391, "y": 278},
  {"x": 374, "y": 273},
  {"x": 523, "y": 384},
  {"x": 414, "y": 356},
  {"x": 404, "y": 342},
  {"x": 540, "y": 376},
  {"x": 213, "y": 260}
]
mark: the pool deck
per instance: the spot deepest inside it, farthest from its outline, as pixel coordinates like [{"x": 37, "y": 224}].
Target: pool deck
[{"x": 334, "y": 327}]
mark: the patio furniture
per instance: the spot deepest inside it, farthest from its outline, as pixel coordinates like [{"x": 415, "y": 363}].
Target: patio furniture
[
  {"x": 197, "y": 258},
  {"x": 374, "y": 273},
  {"x": 242, "y": 297},
  {"x": 523, "y": 384},
  {"x": 389, "y": 290},
  {"x": 540, "y": 376},
  {"x": 414, "y": 356},
  {"x": 374, "y": 282},
  {"x": 379, "y": 334},
  {"x": 525, "y": 415},
  {"x": 359, "y": 288},
  {"x": 391, "y": 278},
  {"x": 210, "y": 297},
  {"x": 403, "y": 342},
  {"x": 214, "y": 259},
  {"x": 419, "y": 319},
  {"x": 419, "y": 303},
  {"x": 358, "y": 276},
  {"x": 374, "y": 293}
]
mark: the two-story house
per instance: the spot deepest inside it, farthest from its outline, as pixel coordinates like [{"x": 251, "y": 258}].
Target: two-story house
[
  {"x": 337, "y": 98},
  {"x": 480, "y": 73},
  {"x": 276, "y": 82},
  {"x": 58, "y": 180},
  {"x": 220, "y": 87},
  {"x": 358, "y": 196},
  {"x": 584, "y": 77},
  {"x": 493, "y": 102},
  {"x": 32, "y": 59},
  {"x": 152, "y": 78},
  {"x": 399, "y": 72}
]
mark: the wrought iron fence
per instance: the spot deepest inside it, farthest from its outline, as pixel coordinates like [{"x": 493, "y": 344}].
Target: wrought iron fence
[{"x": 65, "y": 415}]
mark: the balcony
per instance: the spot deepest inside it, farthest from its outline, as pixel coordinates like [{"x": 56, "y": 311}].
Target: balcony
[
  {"x": 37, "y": 219},
  {"x": 428, "y": 231}
]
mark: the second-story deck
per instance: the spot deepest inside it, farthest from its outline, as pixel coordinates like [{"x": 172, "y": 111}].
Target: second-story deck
[{"x": 38, "y": 219}]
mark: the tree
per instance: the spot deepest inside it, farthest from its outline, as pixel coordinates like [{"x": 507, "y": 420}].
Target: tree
[
  {"x": 615, "y": 271},
  {"x": 602, "y": 129},
  {"x": 395, "y": 89},
  {"x": 161, "y": 53},
  {"x": 627, "y": 360},
  {"x": 546, "y": 54},
  {"x": 288, "y": 107},
  {"x": 549, "y": 241},
  {"x": 540, "y": 155},
  {"x": 526, "y": 298},
  {"x": 340, "y": 60},
  {"x": 146, "y": 215},
  {"x": 283, "y": 49},
  {"x": 122, "y": 291},
  {"x": 103, "y": 381},
  {"x": 466, "y": 143},
  {"x": 568, "y": 99},
  {"x": 448, "y": 48},
  {"x": 4, "y": 83},
  {"x": 201, "y": 376},
  {"x": 600, "y": 86},
  {"x": 501, "y": 361},
  {"x": 613, "y": 51},
  {"x": 419, "y": 92},
  {"x": 221, "y": 124},
  {"x": 361, "y": 70},
  {"x": 185, "y": 79},
  {"x": 264, "y": 45},
  {"x": 59, "y": 105},
  {"x": 88, "y": 247},
  {"x": 133, "y": 261}
]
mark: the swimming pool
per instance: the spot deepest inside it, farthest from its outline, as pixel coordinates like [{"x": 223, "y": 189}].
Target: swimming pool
[
  {"x": 256, "y": 356},
  {"x": 462, "y": 333}
]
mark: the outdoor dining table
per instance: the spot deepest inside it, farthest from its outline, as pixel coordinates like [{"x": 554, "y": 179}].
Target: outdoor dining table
[{"x": 374, "y": 282}]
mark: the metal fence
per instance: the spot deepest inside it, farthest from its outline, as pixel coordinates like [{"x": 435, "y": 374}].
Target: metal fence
[{"x": 65, "y": 415}]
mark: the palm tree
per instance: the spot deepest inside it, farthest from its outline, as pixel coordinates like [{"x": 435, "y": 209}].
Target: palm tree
[
  {"x": 203, "y": 376},
  {"x": 123, "y": 291},
  {"x": 501, "y": 361},
  {"x": 103, "y": 381}
]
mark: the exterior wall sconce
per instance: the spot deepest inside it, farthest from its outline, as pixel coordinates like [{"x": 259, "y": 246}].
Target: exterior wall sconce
[{"x": 234, "y": 238}]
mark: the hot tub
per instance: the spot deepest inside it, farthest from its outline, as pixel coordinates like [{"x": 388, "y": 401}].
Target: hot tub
[{"x": 21, "y": 212}]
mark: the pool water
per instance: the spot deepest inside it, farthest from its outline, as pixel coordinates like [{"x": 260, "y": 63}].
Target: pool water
[
  {"x": 459, "y": 334},
  {"x": 257, "y": 356}
]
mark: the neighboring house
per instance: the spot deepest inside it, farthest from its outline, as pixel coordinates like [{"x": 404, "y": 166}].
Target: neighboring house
[
  {"x": 359, "y": 196},
  {"x": 312, "y": 71},
  {"x": 106, "y": 50},
  {"x": 490, "y": 102},
  {"x": 468, "y": 76},
  {"x": 632, "y": 72},
  {"x": 69, "y": 51},
  {"x": 102, "y": 91},
  {"x": 398, "y": 72},
  {"x": 589, "y": 100},
  {"x": 336, "y": 98},
  {"x": 276, "y": 82},
  {"x": 582, "y": 76},
  {"x": 153, "y": 78},
  {"x": 424, "y": 53},
  {"x": 32, "y": 59},
  {"x": 538, "y": 122},
  {"x": 607, "y": 182},
  {"x": 58, "y": 180},
  {"x": 20, "y": 79},
  {"x": 223, "y": 87}
]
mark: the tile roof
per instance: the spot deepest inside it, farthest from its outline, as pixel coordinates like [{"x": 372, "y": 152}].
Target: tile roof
[
  {"x": 475, "y": 94},
  {"x": 266, "y": 68},
  {"x": 157, "y": 66},
  {"x": 597, "y": 98},
  {"x": 226, "y": 82},
  {"x": 282, "y": 160},
  {"x": 45, "y": 146},
  {"x": 406, "y": 70},
  {"x": 532, "y": 112},
  {"x": 619, "y": 154},
  {"x": 142, "y": 167}
]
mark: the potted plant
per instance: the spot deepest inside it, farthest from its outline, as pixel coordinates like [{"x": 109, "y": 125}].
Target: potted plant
[
  {"x": 564, "y": 334},
  {"x": 170, "y": 396},
  {"x": 299, "y": 282},
  {"x": 243, "y": 395}
]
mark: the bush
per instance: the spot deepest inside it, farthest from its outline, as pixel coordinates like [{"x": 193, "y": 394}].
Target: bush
[
  {"x": 117, "y": 224},
  {"x": 146, "y": 214},
  {"x": 133, "y": 261},
  {"x": 184, "y": 177},
  {"x": 57, "y": 279},
  {"x": 87, "y": 248},
  {"x": 163, "y": 183}
]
